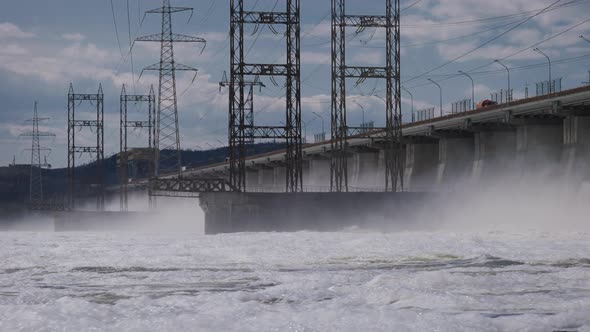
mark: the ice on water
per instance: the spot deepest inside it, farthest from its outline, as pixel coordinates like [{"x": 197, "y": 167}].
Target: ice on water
[{"x": 347, "y": 281}]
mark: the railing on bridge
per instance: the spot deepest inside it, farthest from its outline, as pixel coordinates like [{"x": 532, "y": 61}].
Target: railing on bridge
[
  {"x": 193, "y": 187},
  {"x": 423, "y": 115},
  {"x": 545, "y": 88},
  {"x": 175, "y": 187},
  {"x": 503, "y": 96}
]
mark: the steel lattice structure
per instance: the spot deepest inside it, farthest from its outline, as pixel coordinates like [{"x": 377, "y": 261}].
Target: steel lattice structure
[
  {"x": 248, "y": 106},
  {"x": 240, "y": 133},
  {"x": 97, "y": 100},
  {"x": 189, "y": 187},
  {"x": 168, "y": 157},
  {"x": 125, "y": 124},
  {"x": 36, "y": 199},
  {"x": 390, "y": 73}
]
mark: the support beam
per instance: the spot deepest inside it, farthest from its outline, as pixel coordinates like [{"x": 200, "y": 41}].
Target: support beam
[
  {"x": 339, "y": 177},
  {"x": 239, "y": 132},
  {"x": 97, "y": 151},
  {"x": 149, "y": 123}
]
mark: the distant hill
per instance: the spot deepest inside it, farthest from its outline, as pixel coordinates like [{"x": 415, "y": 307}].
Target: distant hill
[{"x": 14, "y": 180}]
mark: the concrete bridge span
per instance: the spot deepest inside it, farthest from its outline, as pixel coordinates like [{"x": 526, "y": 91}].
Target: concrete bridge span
[
  {"x": 537, "y": 134},
  {"x": 547, "y": 136}
]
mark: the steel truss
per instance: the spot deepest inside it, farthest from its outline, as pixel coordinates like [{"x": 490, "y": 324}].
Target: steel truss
[
  {"x": 168, "y": 158},
  {"x": 125, "y": 155},
  {"x": 390, "y": 73},
  {"x": 97, "y": 100},
  {"x": 36, "y": 198},
  {"x": 248, "y": 106},
  {"x": 240, "y": 133},
  {"x": 188, "y": 186}
]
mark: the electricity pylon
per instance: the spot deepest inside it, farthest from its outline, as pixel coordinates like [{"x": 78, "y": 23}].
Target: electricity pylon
[
  {"x": 168, "y": 159},
  {"x": 393, "y": 149},
  {"x": 249, "y": 104},
  {"x": 36, "y": 180}
]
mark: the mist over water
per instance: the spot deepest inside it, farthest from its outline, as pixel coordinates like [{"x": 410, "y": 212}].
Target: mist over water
[{"x": 509, "y": 254}]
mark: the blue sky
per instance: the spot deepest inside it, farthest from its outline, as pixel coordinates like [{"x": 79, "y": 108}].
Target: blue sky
[{"x": 45, "y": 45}]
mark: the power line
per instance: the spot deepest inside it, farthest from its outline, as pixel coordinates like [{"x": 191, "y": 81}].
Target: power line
[
  {"x": 410, "y": 6},
  {"x": 450, "y": 76},
  {"x": 130, "y": 43},
  {"x": 495, "y": 18},
  {"x": 484, "y": 44},
  {"x": 433, "y": 42},
  {"x": 116, "y": 29}
]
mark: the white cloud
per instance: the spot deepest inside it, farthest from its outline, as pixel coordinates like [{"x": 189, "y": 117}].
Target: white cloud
[
  {"x": 12, "y": 50},
  {"x": 11, "y": 31},
  {"x": 315, "y": 58},
  {"x": 75, "y": 37}
]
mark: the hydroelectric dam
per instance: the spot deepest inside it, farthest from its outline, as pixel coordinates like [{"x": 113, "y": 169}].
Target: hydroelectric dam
[{"x": 546, "y": 136}]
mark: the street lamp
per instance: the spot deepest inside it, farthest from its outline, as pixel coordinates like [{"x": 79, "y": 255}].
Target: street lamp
[
  {"x": 472, "y": 87},
  {"x": 304, "y": 131},
  {"x": 321, "y": 118},
  {"x": 411, "y": 99},
  {"x": 440, "y": 90},
  {"x": 363, "y": 110},
  {"x": 508, "y": 94},
  {"x": 549, "y": 60}
]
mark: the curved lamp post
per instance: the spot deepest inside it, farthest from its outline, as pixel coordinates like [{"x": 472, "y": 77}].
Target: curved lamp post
[
  {"x": 472, "y": 88},
  {"x": 411, "y": 100},
  {"x": 508, "y": 71},
  {"x": 441, "y": 99},
  {"x": 549, "y": 60}
]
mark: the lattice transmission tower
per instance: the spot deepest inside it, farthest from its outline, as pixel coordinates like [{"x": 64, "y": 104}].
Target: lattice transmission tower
[
  {"x": 248, "y": 105},
  {"x": 168, "y": 158},
  {"x": 145, "y": 153},
  {"x": 36, "y": 199},
  {"x": 95, "y": 125},
  {"x": 240, "y": 132},
  {"x": 390, "y": 73}
]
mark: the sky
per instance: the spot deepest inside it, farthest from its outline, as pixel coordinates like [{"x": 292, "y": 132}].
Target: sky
[{"x": 46, "y": 45}]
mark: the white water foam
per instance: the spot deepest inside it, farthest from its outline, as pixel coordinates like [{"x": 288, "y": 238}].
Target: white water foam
[{"x": 486, "y": 281}]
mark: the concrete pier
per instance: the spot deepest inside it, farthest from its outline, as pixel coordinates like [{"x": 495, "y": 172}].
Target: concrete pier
[
  {"x": 576, "y": 149},
  {"x": 366, "y": 167},
  {"x": 265, "y": 212},
  {"x": 319, "y": 172},
  {"x": 539, "y": 145},
  {"x": 455, "y": 160},
  {"x": 494, "y": 154},
  {"x": 421, "y": 165}
]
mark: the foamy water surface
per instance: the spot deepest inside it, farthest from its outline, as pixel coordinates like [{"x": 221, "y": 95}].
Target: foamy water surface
[{"x": 350, "y": 281}]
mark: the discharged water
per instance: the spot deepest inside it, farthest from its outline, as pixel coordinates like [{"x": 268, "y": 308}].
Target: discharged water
[{"x": 348, "y": 281}]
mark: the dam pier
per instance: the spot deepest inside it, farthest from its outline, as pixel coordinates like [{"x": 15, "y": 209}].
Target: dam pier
[{"x": 442, "y": 155}]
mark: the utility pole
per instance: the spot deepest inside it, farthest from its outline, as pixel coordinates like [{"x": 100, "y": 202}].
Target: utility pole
[
  {"x": 587, "y": 83},
  {"x": 291, "y": 131},
  {"x": 390, "y": 73},
  {"x": 167, "y": 149},
  {"x": 36, "y": 199}
]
